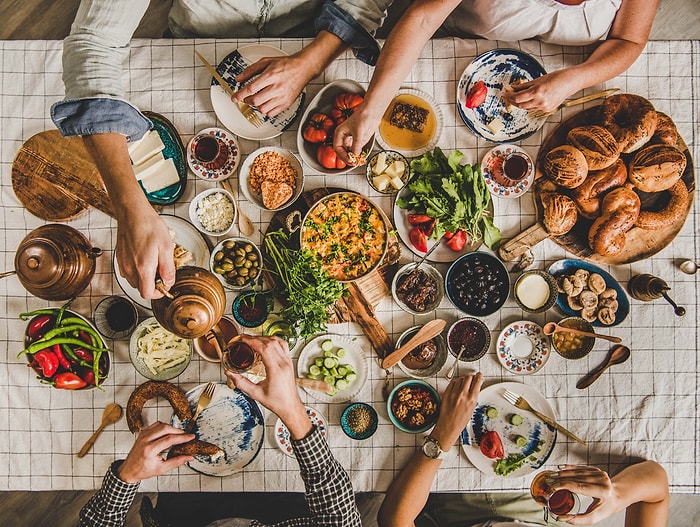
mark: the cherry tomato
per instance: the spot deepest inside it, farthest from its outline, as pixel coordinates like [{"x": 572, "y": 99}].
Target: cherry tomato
[
  {"x": 477, "y": 95},
  {"x": 491, "y": 445},
  {"x": 418, "y": 239},
  {"x": 317, "y": 128},
  {"x": 457, "y": 241},
  {"x": 327, "y": 157}
]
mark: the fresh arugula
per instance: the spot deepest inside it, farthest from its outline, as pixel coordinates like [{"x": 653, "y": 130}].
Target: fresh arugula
[
  {"x": 307, "y": 292},
  {"x": 454, "y": 194}
]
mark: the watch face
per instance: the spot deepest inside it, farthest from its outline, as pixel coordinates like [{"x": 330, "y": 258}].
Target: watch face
[{"x": 431, "y": 448}]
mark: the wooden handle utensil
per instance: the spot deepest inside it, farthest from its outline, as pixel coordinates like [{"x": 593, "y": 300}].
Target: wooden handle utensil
[
  {"x": 111, "y": 415},
  {"x": 424, "y": 334}
]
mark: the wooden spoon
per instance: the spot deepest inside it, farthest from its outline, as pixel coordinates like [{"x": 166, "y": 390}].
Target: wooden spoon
[
  {"x": 617, "y": 355},
  {"x": 424, "y": 334},
  {"x": 111, "y": 415},
  {"x": 552, "y": 327},
  {"x": 245, "y": 225}
]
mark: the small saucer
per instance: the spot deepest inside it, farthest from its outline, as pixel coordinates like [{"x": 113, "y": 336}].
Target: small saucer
[
  {"x": 205, "y": 170},
  {"x": 496, "y": 181},
  {"x": 282, "y": 433},
  {"x": 523, "y": 348}
]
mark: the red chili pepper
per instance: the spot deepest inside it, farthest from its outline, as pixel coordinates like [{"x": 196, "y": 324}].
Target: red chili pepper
[
  {"x": 69, "y": 381},
  {"x": 418, "y": 239},
  {"x": 62, "y": 359},
  {"x": 457, "y": 241},
  {"x": 47, "y": 362},
  {"x": 491, "y": 445},
  {"x": 38, "y": 326},
  {"x": 87, "y": 375},
  {"x": 83, "y": 354},
  {"x": 85, "y": 336},
  {"x": 477, "y": 95},
  {"x": 428, "y": 227}
]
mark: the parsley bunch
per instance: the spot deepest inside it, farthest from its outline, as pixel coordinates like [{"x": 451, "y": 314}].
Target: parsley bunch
[
  {"x": 308, "y": 293},
  {"x": 455, "y": 195}
]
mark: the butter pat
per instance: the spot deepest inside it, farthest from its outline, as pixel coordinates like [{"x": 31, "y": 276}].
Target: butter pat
[
  {"x": 495, "y": 126},
  {"x": 145, "y": 148},
  {"x": 161, "y": 176}
]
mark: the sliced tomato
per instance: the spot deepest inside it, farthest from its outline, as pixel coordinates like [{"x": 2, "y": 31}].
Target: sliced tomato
[
  {"x": 428, "y": 227},
  {"x": 417, "y": 219},
  {"x": 457, "y": 241},
  {"x": 418, "y": 239},
  {"x": 491, "y": 445},
  {"x": 477, "y": 95}
]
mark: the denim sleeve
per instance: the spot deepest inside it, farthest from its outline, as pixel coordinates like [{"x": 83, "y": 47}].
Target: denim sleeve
[
  {"x": 93, "y": 57},
  {"x": 354, "y": 22}
]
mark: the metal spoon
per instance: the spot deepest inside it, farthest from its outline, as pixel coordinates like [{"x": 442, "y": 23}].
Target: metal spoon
[
  {"x": 689, "y": 267},
  {"x": 111, "y": 415},
  {"x": 424, "y": 334},
  {"x": 552, "y": 327},
  {"x": 678, "y": 310},
  {"x": 245, "y": 225},
  {"x": 617, "y": 355},
  {"x": 450, "y": 373}
]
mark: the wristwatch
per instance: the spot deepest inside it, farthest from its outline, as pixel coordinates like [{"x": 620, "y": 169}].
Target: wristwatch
[{"x": 432, "y": 448}]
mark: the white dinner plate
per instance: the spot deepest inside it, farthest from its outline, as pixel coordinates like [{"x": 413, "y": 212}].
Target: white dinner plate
[
  {"x": 532, "y": 428},
  {"x": 283, "y": 438},
  {"x": 186, "y": 235},
  {"x": 355, "y": 356},
  {"x": 523, "y": 348},
  {"x": 229, "y": 114},
  {"x": 498, "y": 69},
  {"x": 232, "y": 421}
]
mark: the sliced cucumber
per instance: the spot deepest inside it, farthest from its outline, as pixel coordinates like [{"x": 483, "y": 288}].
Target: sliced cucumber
[
  {"x": 516, "y": 419},
  {"x": 492, "y": 412},
  {"x": 327, "y": 345}
]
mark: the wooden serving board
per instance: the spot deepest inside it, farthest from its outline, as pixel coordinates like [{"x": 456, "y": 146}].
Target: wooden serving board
[
  {"x": 640, "y": 243},
  {"x": 55, "y": 178},
  {"x": 365, "y": 293}
]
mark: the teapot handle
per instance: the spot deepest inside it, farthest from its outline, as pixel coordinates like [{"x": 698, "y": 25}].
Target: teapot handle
[
  {"x": 94, "y": 252},
  {"x": 160, "y": 287}
]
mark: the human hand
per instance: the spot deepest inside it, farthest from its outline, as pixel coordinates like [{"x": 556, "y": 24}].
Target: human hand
[
  {"x": 353, "y": 134},
  {"x": 277, "y": 82},
  {"x": 144, "y": 249},
  {"x": 544, "y": 93},
  {"x": 592, "y": 482},
  {"x": 456, "y": 408},
  {"x": 278, "y": 391},
  {"x": 144, "y": 460}
]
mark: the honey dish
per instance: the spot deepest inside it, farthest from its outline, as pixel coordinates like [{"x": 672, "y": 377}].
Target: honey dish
[{"x": 569, "y": 345}]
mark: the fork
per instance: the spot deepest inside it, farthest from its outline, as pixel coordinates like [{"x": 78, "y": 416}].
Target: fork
[
  {"x": 538, "y": 114},
  {"x": 518, "y": 401},
  {"x": 204, "y": 400},
  {"x": 249, "y": 113}
]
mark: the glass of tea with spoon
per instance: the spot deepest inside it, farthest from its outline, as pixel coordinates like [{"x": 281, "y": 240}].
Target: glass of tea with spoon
[{"x": 557, "y": 502}]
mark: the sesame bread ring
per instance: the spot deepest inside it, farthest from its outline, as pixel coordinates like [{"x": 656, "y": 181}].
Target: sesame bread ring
[
  {"x": 149, "y": 390},
  {"x": 674, "y": 210}
]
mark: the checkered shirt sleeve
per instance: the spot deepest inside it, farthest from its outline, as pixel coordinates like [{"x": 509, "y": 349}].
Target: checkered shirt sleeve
[
  {"x": 109, "y": 505},
  {"x": 329, "y": 492}
]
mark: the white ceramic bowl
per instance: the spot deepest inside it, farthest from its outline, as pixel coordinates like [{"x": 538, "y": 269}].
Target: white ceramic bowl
[
  {"x": 232, "y": 283},
  {"x": 391, "y": 156},
  {"x": 324, "y": 103},
  {"x": 140, "y": 365},
  {"x": 194, "y": 218},
  {"x": 244, "y": 176}
]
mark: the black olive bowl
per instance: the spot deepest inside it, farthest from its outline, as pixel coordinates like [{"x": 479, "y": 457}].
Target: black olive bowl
[{"x": 477, "y": 284}]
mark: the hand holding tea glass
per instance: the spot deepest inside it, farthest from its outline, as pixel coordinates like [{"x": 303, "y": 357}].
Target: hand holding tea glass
[{"x": 278, "y": 391}]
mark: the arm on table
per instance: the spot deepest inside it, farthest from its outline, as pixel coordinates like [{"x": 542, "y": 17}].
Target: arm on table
[
  {"x": 398, "y": 56},
  {"x": 625, "y": 41},
  {"x": 641, "y": 489},
  {"x": 329, "y": 492},
  {"x": 109, "y": 505},
  {"x": 409, "y": 491}
]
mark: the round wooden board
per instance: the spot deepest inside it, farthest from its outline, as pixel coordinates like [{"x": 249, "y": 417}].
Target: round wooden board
[
  {"x": 640, "y": 243},
  {"x": 55, "y": 178}
]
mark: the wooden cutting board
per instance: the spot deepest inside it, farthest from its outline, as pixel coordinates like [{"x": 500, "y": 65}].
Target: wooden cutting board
[
  {"x": 640, "y": 243},
  {"x": 55, "y": 178},
  {"x": 365, "y": 293}
]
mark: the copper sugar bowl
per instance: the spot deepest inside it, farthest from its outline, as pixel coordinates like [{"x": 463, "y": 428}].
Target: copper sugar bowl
[
  {"x": 55, "y": 262},
  {"x": 193, "y": 305}
]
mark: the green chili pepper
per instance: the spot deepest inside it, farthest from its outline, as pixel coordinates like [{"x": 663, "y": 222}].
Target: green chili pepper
[
  {"x": 30, "y": 314},
  {"x": 39, "y": 345},
  {"x": 62, "y": 311}
]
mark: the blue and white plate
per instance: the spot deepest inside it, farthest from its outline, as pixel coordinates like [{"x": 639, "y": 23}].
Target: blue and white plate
[
  {"x": 523, "y": 348},
  {"x": 229, "y": 114},
  {"x": 173, "y": 149},
  {"x": 234, "y": 422},
  {"x": 283, "y": 438},
  {"x": 540, "y": 437},
  {"x": 498, "y": 69},
  {"x": 561, "y": 267}
]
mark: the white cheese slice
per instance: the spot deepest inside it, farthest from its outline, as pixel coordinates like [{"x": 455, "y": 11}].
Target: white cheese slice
[
  {"x": 380, "y": 165},
  {"x": 397, "y": 183},
  {"x": 141, "y": 171},
  {"x": 381, "y": 182},
  {"x": 164, "y": 175},
  {"x": 495, "y": 126},
  {"x": 149, "y": 145}
]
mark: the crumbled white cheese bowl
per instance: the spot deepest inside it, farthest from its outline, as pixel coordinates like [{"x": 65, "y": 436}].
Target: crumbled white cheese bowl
[{"x": 213, "y": 212}]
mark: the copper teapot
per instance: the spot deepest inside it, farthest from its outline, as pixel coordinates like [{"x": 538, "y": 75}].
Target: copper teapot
[
  {"x": 193, "y": 305},
  {"x": 55, "y": 262}
]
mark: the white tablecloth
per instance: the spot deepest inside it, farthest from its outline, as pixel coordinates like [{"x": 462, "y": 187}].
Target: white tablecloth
[{"x": 645, "y": 408}]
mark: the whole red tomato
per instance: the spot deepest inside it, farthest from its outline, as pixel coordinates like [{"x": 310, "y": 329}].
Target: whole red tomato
[
  {"x": 327, "y": 157},
  {"x": 491, "y": 445},
  {"x": 317, "y": 128},
  {"x": 345, "y": 105}
]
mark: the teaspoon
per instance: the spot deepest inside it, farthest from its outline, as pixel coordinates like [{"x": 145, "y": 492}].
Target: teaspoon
[
  {"x": 450, "y": 373},
  {"x": 111, "y": 415},
  {"x": 552, "y": 327}
]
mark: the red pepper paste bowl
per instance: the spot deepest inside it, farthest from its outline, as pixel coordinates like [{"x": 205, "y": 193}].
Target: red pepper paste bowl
[
  {"x": 63, "y": 355},
  {"x": 251, "y": 308},
  {"x": 473, "y": 334}
]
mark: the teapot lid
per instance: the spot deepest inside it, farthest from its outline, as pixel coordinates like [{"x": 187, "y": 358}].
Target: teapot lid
[
  {"x": 39, "y": 262},
  {"x": 190, "y": 316}
]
